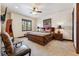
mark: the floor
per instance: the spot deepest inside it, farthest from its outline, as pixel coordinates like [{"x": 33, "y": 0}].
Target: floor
[{"x": 53, "y": 48}]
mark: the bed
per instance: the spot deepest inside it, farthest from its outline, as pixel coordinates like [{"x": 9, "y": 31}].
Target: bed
[{"x": 39, "y": 37}]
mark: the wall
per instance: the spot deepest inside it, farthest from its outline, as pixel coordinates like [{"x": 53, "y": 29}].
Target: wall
[
  {"x": 8, "y": 16},
  {"x": 0, "y": 19},
  {"x": 63, "y": 18},
  {"x": 75, "y": 25},
  {"x": 17, "y": 24}
]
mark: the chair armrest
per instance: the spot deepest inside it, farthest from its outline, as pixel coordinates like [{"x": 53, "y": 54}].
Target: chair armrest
[
  {"x": 2, "y": 48},
  {"x": 3, "y": 52},
  {"x": 16, "y": 44},
  {"x": 12, "y": 39}
]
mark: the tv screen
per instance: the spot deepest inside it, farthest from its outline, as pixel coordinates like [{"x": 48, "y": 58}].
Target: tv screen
[{"x": 3, "y": 16}]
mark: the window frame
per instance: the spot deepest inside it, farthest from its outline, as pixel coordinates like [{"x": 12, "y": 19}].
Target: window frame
[{"x": 25, "y": 25}]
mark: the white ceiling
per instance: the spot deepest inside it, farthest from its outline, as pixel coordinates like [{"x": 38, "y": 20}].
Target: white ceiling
[{"x": 46, "y": 8}]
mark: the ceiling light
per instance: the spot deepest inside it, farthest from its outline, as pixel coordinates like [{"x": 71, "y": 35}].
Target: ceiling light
[{"x": 16, "y": 6}]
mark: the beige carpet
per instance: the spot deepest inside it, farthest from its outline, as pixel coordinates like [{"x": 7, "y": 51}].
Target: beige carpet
[{"x": 53, "y": 48}]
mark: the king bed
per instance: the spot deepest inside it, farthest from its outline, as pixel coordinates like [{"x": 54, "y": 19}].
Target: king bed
[{"x": 39, "y": 37}]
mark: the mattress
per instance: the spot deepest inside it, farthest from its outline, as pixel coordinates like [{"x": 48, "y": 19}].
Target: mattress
[{"x": 39, "y": 33}]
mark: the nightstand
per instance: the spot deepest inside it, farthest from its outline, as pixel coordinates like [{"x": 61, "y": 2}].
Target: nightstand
[{"x": 58, "y": 36}]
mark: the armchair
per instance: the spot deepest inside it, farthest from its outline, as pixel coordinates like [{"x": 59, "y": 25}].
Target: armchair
[{"x": 14, "y": 49}]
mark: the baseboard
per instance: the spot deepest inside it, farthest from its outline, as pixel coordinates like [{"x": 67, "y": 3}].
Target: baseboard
[
  {"x": 67, "y": 40},
  {"x": 20, "y": 37},
  {"x": 77, "y": 51}
]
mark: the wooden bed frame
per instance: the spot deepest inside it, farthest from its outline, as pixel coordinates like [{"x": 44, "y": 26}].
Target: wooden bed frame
[{"x": 42, "y": 40}]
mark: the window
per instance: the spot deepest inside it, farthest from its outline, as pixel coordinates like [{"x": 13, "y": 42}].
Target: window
[{"x": 26, "y": 25}]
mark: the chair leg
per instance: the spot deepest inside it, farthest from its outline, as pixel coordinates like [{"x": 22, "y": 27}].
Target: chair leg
[{"x": 29, "y": 52}]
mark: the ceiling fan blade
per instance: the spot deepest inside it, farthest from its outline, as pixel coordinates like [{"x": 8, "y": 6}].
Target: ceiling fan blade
[{"x": 39, "y": 11}]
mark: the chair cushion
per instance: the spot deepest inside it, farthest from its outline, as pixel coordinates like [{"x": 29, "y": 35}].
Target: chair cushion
[{"x": 22, "y": 50}]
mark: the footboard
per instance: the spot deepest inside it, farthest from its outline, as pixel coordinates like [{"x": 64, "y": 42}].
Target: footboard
[{"x": 43, "y": 40}]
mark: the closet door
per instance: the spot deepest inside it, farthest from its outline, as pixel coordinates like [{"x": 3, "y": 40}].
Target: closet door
[{"x": 77, "y": 15}]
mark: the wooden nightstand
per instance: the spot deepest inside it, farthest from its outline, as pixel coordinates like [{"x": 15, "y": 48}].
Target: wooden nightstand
[{"x": 58, "y": 36}]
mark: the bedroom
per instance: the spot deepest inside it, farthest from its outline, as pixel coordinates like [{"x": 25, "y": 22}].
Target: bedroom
[{"x": 48, "y": 24}]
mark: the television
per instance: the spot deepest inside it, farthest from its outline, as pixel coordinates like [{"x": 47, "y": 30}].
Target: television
[{"x": 3, "y": 17}]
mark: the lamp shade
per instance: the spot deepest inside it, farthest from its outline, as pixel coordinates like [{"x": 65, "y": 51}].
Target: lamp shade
[{"x": 59, "y": 27}]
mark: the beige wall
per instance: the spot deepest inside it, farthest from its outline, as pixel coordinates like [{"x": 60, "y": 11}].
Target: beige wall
[
  {"x": 0, "y": 9},
  {"x": 8, "y": 16},
  {"x": 63, "y": 18},
  {"x": 75, "y": 25},
  {"x": 0, "y": 19},
  {"x": 17, "y": 24}
]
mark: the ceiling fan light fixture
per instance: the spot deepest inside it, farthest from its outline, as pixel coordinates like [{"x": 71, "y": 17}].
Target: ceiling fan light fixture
[{"x": 34, "y": 13}]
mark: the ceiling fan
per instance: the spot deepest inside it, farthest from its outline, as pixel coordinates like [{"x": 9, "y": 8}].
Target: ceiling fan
[{"x": 35, "y": 10}]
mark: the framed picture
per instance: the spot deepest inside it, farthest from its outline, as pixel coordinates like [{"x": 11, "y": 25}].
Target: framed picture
[{"x": 47, "y": 23}]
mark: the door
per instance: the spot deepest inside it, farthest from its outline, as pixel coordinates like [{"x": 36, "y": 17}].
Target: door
[{"x": 77, "y": 16}]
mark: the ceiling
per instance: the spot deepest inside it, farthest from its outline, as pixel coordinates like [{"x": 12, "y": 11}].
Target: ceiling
[{"x": 46, "y": 8}]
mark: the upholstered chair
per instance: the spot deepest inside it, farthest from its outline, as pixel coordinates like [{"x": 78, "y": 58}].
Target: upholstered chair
[{"x": 13, "y": 49}]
